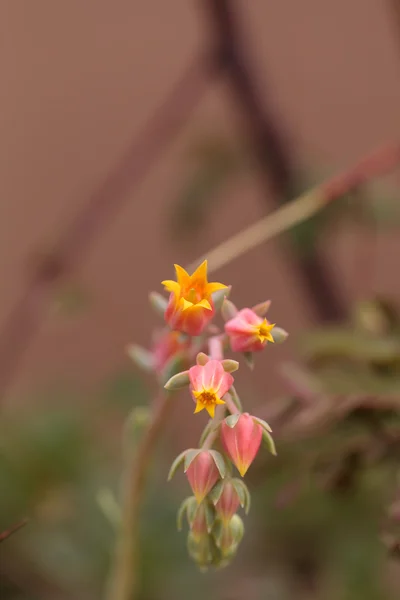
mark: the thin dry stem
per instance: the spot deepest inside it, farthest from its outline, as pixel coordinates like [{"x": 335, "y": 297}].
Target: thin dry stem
[{"x": 305, "y": 206}]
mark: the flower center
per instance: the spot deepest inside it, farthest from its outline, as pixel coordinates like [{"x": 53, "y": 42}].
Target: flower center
[
  {"x": 264, "y": 331},
  {"x": 207, "y": 398}
]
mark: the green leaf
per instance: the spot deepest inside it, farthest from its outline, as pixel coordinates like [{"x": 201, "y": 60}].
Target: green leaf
[
  {"x": 230, "y": 366},
  {"x": 141, "y": 357},
  {"x": 279, "y": 335},
  {"x": 190, "y": 455},
  {"x": 219, "y": 462},
  {"x": 178, "y": 381},
  {"x": 263, "y": 424},
  {"x": 235, "y": 398},
  {"x": 249, "y": 359},
  {"x": 181, "y": 512},
  {"x": 243, "y": 493},
  {"x": 262, "y": 308},
  {"x": 269, "y": 442},
  {"x": 158, "y": 302},
  {"x": 219, "y": 297},
  {"x": 202, "y": 359},
  {"x": 216, "y": 492},
  {"x": 228, "y": 310},
  {"x": 232, "y": 420},
  {"x": 175, "y": 465}
]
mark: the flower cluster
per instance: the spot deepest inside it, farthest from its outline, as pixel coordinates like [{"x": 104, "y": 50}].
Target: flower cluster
[{"x": 231, "y": 438}]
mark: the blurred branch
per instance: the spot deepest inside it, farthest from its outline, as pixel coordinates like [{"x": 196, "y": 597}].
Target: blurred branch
[
  {"x": 270, "y": 150},
  {"x": 124, "y": 580},
  {"x": 104, "y": 205},
  {"x": 6, "y": 534},
  {"x": 376, "y": 164}
]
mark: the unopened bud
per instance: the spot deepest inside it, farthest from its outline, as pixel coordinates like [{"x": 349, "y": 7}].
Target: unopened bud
[
  {"x": 226, "y": 499},
  {"x": 242, "y": 441},
  {"x": 228, "y": 536},
  {"x": 203, "y": 472}
]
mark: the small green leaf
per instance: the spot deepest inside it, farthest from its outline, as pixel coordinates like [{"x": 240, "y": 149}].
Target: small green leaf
[
  {"x": 216, "y": 492},
  {"x": 190, "y": 455},
  {"x": 141, "y": 357},
  {"x": 232, "y": 420},
  {"x": 243, "y": 493},
  {"x": 219, "y": 297},
  {"x": 230, "y": 366},
  {"x": 263, "y": 424},
  {"x": 235, "y": 398},
  {"x": 181, "y": 511},
  {"x": 210, "y": 515},
  {"x": 228, "y": 310},
  {"x": 158, "y": 302},
  {"x": 219, "y": 462},
  {"x": 262, "y": 308},
  {"x": 279, "y": 335},
  {"x": 249, "y": 359},
  {"x": 202, "y": 359},
  {"x": 178, "y": 381},
  {"x": 269, "y": 442},
  {"x": 175, "y": 465}
]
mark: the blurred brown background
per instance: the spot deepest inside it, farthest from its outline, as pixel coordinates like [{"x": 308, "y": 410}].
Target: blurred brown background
[{"x": 80, "y": 79}]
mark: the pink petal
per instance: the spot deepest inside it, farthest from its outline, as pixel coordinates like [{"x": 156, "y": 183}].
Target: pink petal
[
  {"x": 196, "y": 376},
  {"x": 213, "y": 373}
]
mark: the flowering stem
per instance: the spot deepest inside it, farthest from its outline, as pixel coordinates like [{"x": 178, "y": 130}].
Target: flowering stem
[
  {"x": 124, "y": 579},
  {"x": 230, "y": 405}
]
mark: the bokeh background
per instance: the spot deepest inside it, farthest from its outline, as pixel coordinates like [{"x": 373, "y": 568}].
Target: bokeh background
[{"x": 130, "y": 141}]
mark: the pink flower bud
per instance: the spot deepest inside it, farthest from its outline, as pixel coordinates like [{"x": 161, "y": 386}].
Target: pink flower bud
[
  {"x": 202, "y": 474},
  {"x": 228, "y": 501},
  {"x": 166, "y": 345},
  {"x": 228, "y": 535},
  {"x": 190, "y": 307},
  {"x": 209, "y": 383},
  {"x": 242, "y": 441},
  {"x": 248, "y": 332}
]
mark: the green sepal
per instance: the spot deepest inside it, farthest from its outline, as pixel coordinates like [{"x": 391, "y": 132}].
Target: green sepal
[
  {"x": 190, "y": 455},
  {"x": 228, "y": 310},
  {"x": 262, "y": 308},
  {"x": 235, "y": 398},
  {"x": 202, "y": 359},
  {"x": 269, "y": 442},
  {"x": 178, "y": 381},
  {"x": 219, "y": 462},
  {"x": 219, "y": 296},
  {"x": 243, "y": 493},
  {"x": 263, "y": 424},
  {"x": 230, "y": 365},
  {"x": 232, "y": 420},
  {"x": 249, "y": 359},
  {"x": 176, "y": 464},
  {"x": 279, "y": 335},
  {"x": 158, "y": 302},
  {"x": 141, "y": 357}
]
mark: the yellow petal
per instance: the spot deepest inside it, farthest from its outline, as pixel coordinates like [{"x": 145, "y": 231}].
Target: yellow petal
[
  {"x": 214, "y": 287},
  {"x": 219, "y": 401},
  {"x": 210, "y": 408},
  {"x": 182, "y": 276},
  {"x": 172, "y": 286},
  {"x": 200, "y": 273},
  {"x": 199, "y": 407},
  {"x": 204, "y": 304},
  {"x": 186, "y": 304}
]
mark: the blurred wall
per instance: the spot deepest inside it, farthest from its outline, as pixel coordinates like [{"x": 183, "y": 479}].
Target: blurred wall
[{"x": 79, "y": 80}]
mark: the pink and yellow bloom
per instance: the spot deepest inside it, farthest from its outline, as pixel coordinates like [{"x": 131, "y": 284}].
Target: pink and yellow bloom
[
  {"x": 248, "y": 332},
  {"x": 209, "y": 383},
  {"x": 242, "y": 441},
  {"x": 190, "y": 307}
]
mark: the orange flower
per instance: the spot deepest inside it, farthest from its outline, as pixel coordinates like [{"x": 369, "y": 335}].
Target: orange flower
[{"x": 190, "y": 307}]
